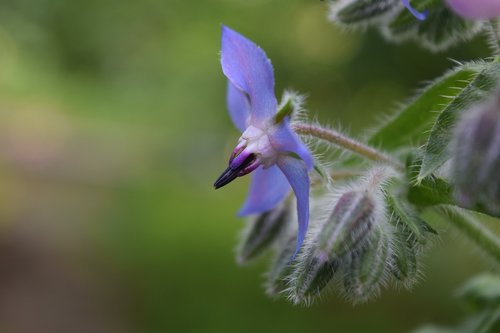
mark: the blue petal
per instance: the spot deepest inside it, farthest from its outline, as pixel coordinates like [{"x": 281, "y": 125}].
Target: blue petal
[
  {"x": 267, "y": 189},
  {"x": 238, "y": 106},
  {"x": 420, "y": 16},
  {"x": 286, "y": 140},
  {"x": 295, "y": 171},
  {"x": 248, "y": 68}
]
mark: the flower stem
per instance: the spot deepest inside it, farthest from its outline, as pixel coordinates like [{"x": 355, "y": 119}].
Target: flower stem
[
  {"x": 346, "y": 142},
  {"x": 474, "y": 230}
]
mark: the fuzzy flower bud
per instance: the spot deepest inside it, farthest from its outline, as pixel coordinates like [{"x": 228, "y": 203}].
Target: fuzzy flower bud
[
  {"x": 281, "y": 267},
  {"x": 348, "y": 226},
  {"x": 262, "y": 231},
  {"x": 345, "y": 233},
  {"x": 368, "y": 269},
  {"x": 475, "y": 9},
  {"x": 476, "y": 157}
]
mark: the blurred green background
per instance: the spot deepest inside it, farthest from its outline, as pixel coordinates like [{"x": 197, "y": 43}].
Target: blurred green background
[{"x": 112, "y": 130}]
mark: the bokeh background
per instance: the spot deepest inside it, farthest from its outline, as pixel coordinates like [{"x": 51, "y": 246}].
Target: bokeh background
[{"x": 112, "y": 130}]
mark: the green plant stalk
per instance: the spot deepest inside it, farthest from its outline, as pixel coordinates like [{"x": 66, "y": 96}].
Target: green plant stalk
[
  {"x": 341, "y": 140},
  {"x": 473, "y": 229}
]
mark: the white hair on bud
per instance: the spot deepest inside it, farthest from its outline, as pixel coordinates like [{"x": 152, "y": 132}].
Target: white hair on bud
[{"x": 337, "y": 6}]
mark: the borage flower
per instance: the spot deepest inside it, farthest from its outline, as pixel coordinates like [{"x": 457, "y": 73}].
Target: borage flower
[{"x": 268, "y": 147}]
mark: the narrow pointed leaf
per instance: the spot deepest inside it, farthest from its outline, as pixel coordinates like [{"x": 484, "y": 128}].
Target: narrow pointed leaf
[
  {"x": 436, "y": 150},
  {"x": 411, "y": 124}
]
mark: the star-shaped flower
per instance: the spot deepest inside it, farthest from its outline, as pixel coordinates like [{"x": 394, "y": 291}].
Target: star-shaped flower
[{"x": 268, "y": 146}]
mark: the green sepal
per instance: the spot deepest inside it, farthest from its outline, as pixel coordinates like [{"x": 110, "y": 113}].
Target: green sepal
[{"x": 285, "y": 111}]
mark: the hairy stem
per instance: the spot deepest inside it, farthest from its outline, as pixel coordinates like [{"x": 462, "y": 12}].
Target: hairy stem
[
  {"x": 493, "y": 34},
  {"x": 474, "y": 230},
  {"x": 347, "y": 143}
]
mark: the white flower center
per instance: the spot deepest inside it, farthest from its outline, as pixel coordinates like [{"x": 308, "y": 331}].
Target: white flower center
[{"x": 257, "y": 142}]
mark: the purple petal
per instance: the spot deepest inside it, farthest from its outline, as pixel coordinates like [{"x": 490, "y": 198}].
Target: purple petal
[
  {"x": 420, "y": 16},
  {"x": 267, "y": 188},
  {"x": 296, "y": 172},
  {"x": 248, "y": 68},
  {"x": 475, "y": 9},
  {"x": 286, "y": 140},
  {"x": 238, "y": 106}
]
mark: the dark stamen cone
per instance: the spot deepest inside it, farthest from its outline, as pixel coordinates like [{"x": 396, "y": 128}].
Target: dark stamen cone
[{"x": 232, "y": 173}]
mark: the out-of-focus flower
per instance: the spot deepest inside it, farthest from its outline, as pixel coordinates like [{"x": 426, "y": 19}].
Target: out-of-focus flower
[
  {"x": 268, "y": 146},
  {"x": 419, "y": 15},
  {"x": 475, "y": 9},
  {"x": 476, "y": 156}
]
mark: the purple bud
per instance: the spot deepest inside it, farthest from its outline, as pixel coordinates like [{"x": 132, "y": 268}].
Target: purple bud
[
  {"x": 475, "y": 9},
  {"x": 476, "y": 157}
]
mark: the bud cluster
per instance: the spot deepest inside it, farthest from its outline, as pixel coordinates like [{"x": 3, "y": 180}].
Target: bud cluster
[
  {"x": 344, "y": 243},
  {"x": 361, "y": 237},
  {"x": 435, "y": 25}
]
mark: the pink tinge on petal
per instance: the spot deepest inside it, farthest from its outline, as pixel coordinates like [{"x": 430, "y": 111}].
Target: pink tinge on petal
[{"x": 475, "y": 9}]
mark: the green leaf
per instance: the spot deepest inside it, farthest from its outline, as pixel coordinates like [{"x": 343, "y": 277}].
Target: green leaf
[
  {"x": 482, "y": 290},
  {"x": 476, "y": 91},
  {"x": 362, "y": 11},
  {"x": 441, "y": 29},
  {"x": 431, "y": 191},
  {"x": 412, "y": 123}
]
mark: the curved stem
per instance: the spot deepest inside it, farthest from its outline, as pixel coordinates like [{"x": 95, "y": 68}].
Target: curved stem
[
  {"x": 346, "y": 142},
  {"x": 474, "y": 230}
]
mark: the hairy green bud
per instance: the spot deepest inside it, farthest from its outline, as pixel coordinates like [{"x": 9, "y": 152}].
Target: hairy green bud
[
  {"x": 368, "y": 270},
  {"x": 262, "y": 232}
]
